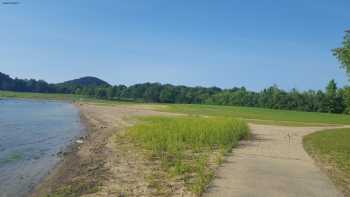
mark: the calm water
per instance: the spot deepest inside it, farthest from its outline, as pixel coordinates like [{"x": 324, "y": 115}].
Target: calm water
[{"x": 31, "y": 135}]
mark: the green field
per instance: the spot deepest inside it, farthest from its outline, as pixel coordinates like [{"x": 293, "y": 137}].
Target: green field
[
  {"x": 262, "y": 115},
  {"x": 187, "y": 145},
  {"x": 331, "y": 148}
]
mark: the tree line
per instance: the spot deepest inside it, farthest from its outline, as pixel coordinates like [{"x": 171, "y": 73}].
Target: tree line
[{"x": 331, "y": 100}]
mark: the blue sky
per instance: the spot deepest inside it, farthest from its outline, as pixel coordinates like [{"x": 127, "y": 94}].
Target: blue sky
[{"x": 190, "y": 42}]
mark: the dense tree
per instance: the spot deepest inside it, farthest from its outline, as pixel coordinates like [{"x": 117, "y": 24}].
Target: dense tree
[
  {"x": 101, "y": 93},
  {"x": 150, "y": 92},
  {"x": 343, "y": 53},
  {"x": 331, "y": 96},
  {"x": 167, "y": 94},
  {"x": 346, "y": 99}
]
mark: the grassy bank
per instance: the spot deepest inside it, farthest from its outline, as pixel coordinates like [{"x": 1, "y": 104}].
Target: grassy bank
[
  {"x": 189, "y": 147},
  {"x": 331, "y": 148},
  {"x": 262, "y": 115}
]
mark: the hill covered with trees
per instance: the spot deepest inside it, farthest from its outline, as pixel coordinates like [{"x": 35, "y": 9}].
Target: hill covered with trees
[
  {"x": 77, "y": 85},
  {"x": 86, "y": 81}
]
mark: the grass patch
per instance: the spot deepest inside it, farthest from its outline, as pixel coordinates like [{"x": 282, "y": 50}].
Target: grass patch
[
  {"x": 331, "y": 148},
  {"x": 187, "y": 146},
  {"x": 262, "y": 115}
]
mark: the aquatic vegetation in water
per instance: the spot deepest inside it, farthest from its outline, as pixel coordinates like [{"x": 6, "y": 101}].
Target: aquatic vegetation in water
[{"x": 12, "y": 157}]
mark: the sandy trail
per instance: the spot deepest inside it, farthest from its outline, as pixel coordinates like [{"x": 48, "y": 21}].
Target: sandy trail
[{"x": 273, "y": 164}]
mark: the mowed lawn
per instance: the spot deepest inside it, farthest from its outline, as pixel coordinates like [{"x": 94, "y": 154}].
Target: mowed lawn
[
  {"x": 331, "y": 148},
  {"x": 263, "y": 115}
]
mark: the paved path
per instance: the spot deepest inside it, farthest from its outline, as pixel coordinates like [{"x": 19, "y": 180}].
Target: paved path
[{"x": 273, "y": 165}]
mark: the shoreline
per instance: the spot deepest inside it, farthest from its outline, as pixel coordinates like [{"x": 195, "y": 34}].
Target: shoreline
[{"x": 67, "y": 157}]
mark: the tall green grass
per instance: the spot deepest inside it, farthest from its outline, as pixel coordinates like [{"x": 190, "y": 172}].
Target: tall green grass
[{"x": 186, "y": 145}]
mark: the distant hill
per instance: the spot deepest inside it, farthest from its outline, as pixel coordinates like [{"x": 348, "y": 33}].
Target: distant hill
[{"x": 86, "y": 81}]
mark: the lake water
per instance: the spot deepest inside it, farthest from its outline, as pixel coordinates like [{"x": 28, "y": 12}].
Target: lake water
[{"x": 31, "y": 135}]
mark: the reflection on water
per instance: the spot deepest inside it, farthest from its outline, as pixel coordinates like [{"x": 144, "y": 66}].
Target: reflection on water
[{"x": 31, "y": 135}]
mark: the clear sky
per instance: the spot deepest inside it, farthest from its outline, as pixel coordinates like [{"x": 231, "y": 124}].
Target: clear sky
[{"x": 222, "y": 43}]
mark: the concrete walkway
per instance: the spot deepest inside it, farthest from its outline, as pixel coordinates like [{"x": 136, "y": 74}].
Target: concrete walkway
[{"x": 274, "y": 164}]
